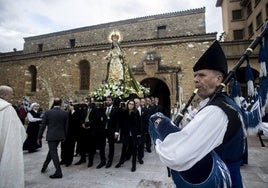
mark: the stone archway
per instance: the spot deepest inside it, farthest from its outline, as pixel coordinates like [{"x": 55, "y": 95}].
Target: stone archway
[{"x": 159, "y": 89}]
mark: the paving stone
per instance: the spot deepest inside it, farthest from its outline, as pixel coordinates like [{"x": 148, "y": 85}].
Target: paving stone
[{"x": 152, "y": 174}]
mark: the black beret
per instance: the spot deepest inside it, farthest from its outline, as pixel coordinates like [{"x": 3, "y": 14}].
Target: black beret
[{"x": 213, "y": 59}]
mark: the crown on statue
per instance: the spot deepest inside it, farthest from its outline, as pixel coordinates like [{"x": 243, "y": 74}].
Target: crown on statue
[{"x": 115, "y": 36}]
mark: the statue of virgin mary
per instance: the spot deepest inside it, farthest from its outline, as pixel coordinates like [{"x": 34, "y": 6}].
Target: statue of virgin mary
[
  {"x": 115, "y": 57},
  {"x": 119, "y": 82},
  {"x": 118, "y": 71}
]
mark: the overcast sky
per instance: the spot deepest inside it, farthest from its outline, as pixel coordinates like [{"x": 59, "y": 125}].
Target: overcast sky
[{"x": 25, "y": 18}]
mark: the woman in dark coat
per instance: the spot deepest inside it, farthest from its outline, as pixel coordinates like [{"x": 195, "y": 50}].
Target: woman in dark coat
[{"x": 129, "y": 129}]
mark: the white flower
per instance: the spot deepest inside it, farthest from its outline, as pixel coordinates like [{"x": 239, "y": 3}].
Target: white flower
[
  {"x": 107, "y": 93},
  {"x": 114, "y": 87},
  {"x": 116, "y": 90}
]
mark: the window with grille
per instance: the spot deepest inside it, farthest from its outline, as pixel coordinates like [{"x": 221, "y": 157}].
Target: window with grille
[
  {"x": 72, "y": 43},
  {"x": 161, "y": 31},
  {"x": 40, "y": 47},
  {"x": 237, "y": 14},
  {"x": 249, "y": 9},
  {"x": 257, "y": 2},
  {"x": 238, "y": 34},
  {"x": 84, "y": 75},
  {"x": 259, "y": 20},
  {"x": 250, "y": 30},
  {"x": 33, "y": 73}
]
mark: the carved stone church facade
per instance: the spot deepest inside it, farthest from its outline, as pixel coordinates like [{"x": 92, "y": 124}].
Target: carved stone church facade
[{"x": 160, "y": 50}]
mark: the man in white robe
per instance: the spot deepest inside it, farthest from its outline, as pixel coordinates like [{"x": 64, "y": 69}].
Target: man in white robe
[{"x": 12, "y": 136}]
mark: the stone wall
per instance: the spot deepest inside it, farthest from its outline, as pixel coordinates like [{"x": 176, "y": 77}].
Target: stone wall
[
  {"x": 59, "y": 75},
  {"x": 177, "y": 24}
]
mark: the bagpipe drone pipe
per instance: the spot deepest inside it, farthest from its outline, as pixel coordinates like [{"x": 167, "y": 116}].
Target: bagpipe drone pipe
[{"x": 210, "y": 171}]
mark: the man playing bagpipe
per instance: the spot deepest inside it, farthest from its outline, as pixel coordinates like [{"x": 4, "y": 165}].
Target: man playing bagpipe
[{"x": 208, "y": 151}]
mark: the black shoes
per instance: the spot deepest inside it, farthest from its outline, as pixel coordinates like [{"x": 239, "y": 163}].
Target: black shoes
[
  {"x": 109, "y": 164},
  {"x": 140, "y": 161},
  {"x": 43, "y": 170},
  {"x": 102, "y": 164},
  {"x": 90, "y": 164},
  {"x": 55, "y": 176},
  {"x": 149, "y": 150},
  {"x": 127, "y": 158},
  {"x": 80, "y": 162},
  {"x": 32, "y": 150},
  {"x": 118, "y": 165},
  {"x": 68, "y": 164},
  {"x": 133, "y": 169}
]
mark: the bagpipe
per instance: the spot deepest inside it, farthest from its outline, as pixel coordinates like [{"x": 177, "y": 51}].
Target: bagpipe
[
  {"x": 208, "y": 172},
  {"x": 216, "y": 173}
]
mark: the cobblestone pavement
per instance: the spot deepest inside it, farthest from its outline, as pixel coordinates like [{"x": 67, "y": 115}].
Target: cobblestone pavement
[{"x": 152, "y": 174}]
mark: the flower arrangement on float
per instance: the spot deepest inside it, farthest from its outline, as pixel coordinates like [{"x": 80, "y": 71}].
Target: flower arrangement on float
[{"x": 117, "y": 90}]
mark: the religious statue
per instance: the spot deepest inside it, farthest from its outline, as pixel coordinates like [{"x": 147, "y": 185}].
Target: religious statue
[
  {"x": 115, "y": 57},
  {"x": 119, "y": 82}
]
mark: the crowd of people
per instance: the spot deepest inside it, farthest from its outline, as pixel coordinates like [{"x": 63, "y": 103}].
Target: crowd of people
[
  {"x": 92, "y": 126},
  {"x": 97, "y": 125}
]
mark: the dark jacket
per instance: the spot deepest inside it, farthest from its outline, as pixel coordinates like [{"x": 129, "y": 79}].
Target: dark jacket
[
  {"x": 57, "y": 122},
  {"x": 130, "y": 127}
]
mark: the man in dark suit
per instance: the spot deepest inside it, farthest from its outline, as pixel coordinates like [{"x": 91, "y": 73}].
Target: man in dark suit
[
  {"x": 149, "y": 111},
  {"x": 87, "y": 133},
  {"x": 97, "y": 134},
  {"x": 56, "y": 120},
  {"x": 140, "y": 129},
  {"x": 110, "y": 128}
]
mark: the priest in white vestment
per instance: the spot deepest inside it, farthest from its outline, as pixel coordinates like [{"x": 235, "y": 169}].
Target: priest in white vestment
[{"x": 12, "y": 136}]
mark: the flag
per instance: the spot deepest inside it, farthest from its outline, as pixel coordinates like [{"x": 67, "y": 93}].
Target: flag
[
  {"x": 263, "y": 92},
  {"x": 254, "y": 116},
  {"x": 263, "y": 60},
  {"x": 250, "y": 108},
  {"x": 235, "y": 93}
]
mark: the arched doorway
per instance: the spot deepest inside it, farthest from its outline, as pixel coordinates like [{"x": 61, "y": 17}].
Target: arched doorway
[{"x": 159, "y": 89}]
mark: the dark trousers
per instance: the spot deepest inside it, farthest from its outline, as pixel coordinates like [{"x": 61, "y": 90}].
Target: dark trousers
[
  {"x": 140, "y": 148},
  {"x": 148, "y": 141},
  {"x": 53, "y": 155},
  {"x": 128, "y": 149},
  {"x": 97, "y": 140},
  {"x": 101, "y": 142},
  {"x": 111, "y": 140},
  {"x": 84, "y": 143},
  {"x": 67, "y": 150}
]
